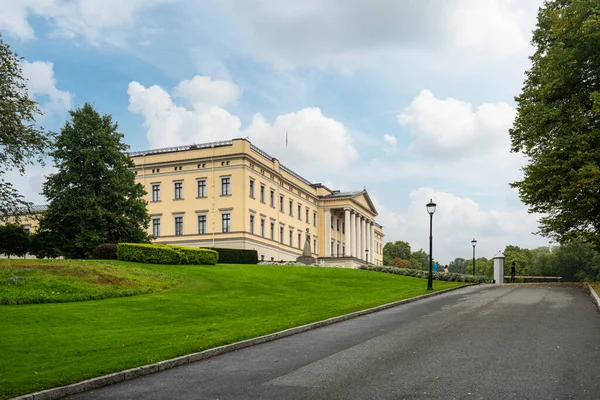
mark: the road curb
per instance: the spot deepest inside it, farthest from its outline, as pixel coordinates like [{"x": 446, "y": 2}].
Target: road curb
[
  {"x": 594, "y": 295},
  {"x": 105, "y": 380}
]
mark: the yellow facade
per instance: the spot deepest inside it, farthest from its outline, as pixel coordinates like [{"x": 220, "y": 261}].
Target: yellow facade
[
  {"x": 232, "y": 194},
  {"x": 28, "y": 218}
]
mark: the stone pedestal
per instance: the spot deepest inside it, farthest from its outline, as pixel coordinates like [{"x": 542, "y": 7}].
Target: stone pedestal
[{"x": 499, "y": 268}]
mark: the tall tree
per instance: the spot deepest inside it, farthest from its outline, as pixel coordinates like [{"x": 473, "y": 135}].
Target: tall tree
[
  {"x": 13, "y": 240},
  {"x": 458, "y": 265},
  {"x": 22, "y": 142},
  {"x": 93, "y": 197},
  {"x": 397, "y": 249},
  {"x": 422, "y": 257},
  {"x": 558, "y": 121}
]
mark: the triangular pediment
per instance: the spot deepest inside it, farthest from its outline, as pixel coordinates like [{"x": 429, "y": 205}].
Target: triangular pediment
[{"x": 364, "y": 200}]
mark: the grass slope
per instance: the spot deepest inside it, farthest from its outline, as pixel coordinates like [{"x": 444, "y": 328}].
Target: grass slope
[
  {"x": 54, "y": 281},
  {"x": 48, "y": 345},
  {"x": 596, "y": 286}
]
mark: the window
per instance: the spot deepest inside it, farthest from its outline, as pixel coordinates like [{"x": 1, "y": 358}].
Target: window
[
  {"x": 343, "y": 250},
  {"x": 156, "y": 227},
  {"x": 343, "y": 227},
  {"x": 332, "y": 253},
  {"x": 201, "y": 187},
  {"x": 307, "y": 213},
  {"x": 225, "y": 186},
  {"x": 338, "y": 249},
  {"x": 156, "y": 192},
  {"x": 291, "y": 208},
  {"x": 201, "y": 224},
  {"x": 300, "y": 212},
  {"x": 332, "y": 222},
  {"x": 178, "y": 191},
  {"x": 252, "y": 224},
  {"x": 314, "y": 218},
  {"x": 262, "y": 193},
  {"x": 314, "y": 245},
  {"x": 272, "y": 198},
  {"x": 252, "y": 188},
  {"x": 272, "y": 230},
  {"x": 281, "y": 234},
  {"x": 226, "y": 222},
  {"x": 299, "y": 240},
  {"x": 178, "y": 226},
  {"x": 262, "y": 227},
  {"x": 291, "y": 238},
  {"x": 281, "y": 203},
  {"x": 337, "y": 224}
]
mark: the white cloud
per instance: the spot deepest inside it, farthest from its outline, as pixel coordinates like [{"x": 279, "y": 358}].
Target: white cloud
[
  {"x": 455, "y": 222},
  {"x": 314, "y": 140},
  {"x": 454, "y": 129},
  {"x": 41, "y": 82},
  {"x": 492, "y": 26},
  {"x": 172, "y": 125},
  {"x": 345, "y": 32},
  {"x": 202, "y": 91},
  {"x": 390, "y": 139},
  {"x": 97, "y": 21}
]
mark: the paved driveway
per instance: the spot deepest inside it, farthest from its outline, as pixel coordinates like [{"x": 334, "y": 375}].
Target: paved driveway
[{"x": 485, "y": 342}]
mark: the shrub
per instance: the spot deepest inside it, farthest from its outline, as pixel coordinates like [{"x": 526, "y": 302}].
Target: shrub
[
  {"x": 425, "y": 274},
  {"x": 107, "y": 251},
  {"x": 148, "y": 253},
  {"x": 236, "y": 256},
  {"x": 194, "y": 256},
  {"x": 166, "y": 254}
]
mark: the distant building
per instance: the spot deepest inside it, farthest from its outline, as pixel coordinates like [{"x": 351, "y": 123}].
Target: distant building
[{"x": 232, "y": 194}]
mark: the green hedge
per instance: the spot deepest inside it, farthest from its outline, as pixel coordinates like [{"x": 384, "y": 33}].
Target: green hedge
[
  {"x": 440, "y": 276},
  {"x": 236, "y": 256},
  {"x": 165, "y": 254},
  {"x": 194, "y": 256}
]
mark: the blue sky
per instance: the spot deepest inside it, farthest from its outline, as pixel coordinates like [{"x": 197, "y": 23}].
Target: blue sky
[{"x": 412, "y": 99}]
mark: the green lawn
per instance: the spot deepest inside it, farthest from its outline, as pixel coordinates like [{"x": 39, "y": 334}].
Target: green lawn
[
  {"x": 48, "y": 345},
  {"x": 56, "y": 281}
]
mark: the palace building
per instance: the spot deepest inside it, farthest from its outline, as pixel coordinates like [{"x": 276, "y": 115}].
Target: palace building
[{"x": 232, "y": 194}]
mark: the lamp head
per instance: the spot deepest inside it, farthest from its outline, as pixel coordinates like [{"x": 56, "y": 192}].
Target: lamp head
[
  {"x": 473, "y": 242},
  {"x": 431, "y": 207}
]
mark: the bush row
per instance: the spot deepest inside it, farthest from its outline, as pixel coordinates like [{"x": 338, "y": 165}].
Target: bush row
[
  {"x": 440, "y": 276},
  {"x": 166, "y": 254},
  {"x": 236, "y": 256}
]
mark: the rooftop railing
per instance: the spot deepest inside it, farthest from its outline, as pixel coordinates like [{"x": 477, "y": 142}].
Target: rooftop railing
[{"x": 181, "y": 148}]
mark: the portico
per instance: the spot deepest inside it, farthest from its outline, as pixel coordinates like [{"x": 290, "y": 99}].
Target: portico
[{"x": 350, "y": 228}]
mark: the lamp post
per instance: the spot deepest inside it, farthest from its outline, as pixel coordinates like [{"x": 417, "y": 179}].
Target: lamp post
[
  {"x": 430, "y": 210},
  {"x": 474, "y": 243},
  {"x": 367, "y": 256}
]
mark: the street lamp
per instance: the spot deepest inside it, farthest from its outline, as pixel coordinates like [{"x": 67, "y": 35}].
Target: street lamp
[
  {"x": 474, "y": 243},
  {"x": 367, "y": 255},
  {"x": 430, "y": 210}
]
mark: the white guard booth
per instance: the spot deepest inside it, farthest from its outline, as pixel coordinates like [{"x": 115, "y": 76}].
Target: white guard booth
[{"x": 499, "y": 268}]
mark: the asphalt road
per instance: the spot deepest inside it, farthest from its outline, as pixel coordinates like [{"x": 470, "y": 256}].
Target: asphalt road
[{"x": 485, "y": 342}]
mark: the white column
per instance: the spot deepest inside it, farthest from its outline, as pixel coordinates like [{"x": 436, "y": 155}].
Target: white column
[
  {"x": 362, "y": 239},
  {"x": 372, "y": 251},
  {"x": 347, "y": 231},
  {"x": 352, "y": 229},
  {"x": 327, "y": 224},
  {"x": 358, "y": 236},
  {"x": 367, "y": 240}
]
